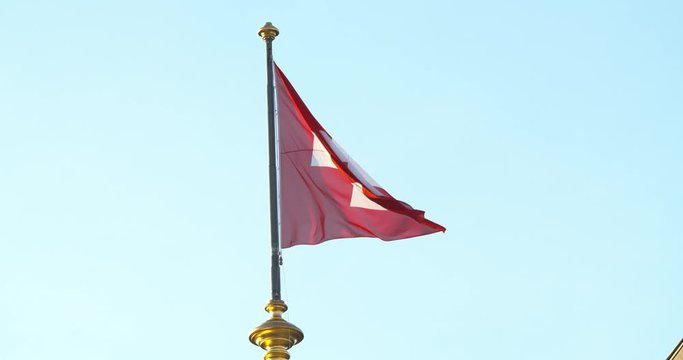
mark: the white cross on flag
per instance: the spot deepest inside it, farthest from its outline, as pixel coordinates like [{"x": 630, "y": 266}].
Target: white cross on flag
[{"x": 324, "y": 193}]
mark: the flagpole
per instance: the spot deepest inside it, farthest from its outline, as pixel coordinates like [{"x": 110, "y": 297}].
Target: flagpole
[
  {"x": 268, "y": 33},
  {"x": 276, "y": 335}
]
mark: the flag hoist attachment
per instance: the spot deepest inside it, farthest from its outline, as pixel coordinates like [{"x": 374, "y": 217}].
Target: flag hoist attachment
[{"x": 276, "y": 335}]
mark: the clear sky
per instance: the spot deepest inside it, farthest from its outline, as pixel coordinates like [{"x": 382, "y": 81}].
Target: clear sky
[{"x": 545, "y": 135}]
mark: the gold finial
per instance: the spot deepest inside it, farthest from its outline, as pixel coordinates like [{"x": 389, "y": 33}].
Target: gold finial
[
  {"x": 276, "y": 335},
  {"x": 268, "y": 31}
]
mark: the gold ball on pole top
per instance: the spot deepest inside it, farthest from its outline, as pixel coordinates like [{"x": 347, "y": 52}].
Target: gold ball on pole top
[{"x": 268, "y": 31}]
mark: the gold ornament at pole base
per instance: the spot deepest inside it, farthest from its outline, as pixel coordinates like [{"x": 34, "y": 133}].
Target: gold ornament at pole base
[
  {"x": 268, "y": 31},
  {"x": 276, "y": 335}
]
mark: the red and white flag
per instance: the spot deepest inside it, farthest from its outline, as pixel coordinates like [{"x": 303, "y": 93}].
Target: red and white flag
[{"x": 324, "y": 194}]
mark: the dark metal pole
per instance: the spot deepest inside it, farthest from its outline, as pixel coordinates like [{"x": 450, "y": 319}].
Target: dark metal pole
[
  {"x": 276, "y": 335},
  {"x": 268, "y": 32}
]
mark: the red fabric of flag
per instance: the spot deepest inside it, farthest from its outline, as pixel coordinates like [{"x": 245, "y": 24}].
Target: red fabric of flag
[{"x": 324, "y": 194}]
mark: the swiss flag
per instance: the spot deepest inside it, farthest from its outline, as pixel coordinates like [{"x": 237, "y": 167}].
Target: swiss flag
[{"x": 324, "y": 194}]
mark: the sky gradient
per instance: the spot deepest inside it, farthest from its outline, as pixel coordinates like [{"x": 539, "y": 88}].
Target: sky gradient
[{"x": 546, "y": 136}]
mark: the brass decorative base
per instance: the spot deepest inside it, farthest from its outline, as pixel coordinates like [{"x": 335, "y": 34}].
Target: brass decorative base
[{"x": 276, "y": 335}]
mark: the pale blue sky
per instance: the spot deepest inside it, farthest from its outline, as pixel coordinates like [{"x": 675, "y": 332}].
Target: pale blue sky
[{"x": 546, "y": 136}]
